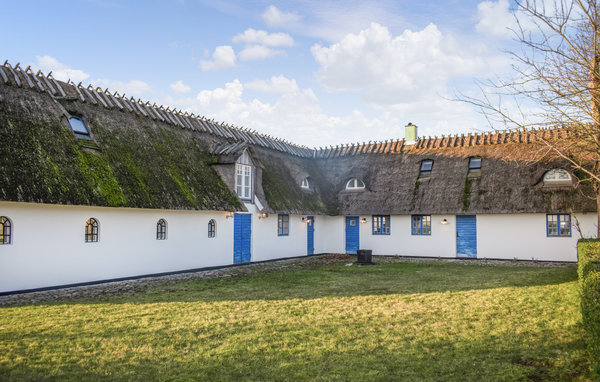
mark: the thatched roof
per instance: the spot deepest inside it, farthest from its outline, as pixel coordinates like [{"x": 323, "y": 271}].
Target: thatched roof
[{"x": 149, "y": 156}]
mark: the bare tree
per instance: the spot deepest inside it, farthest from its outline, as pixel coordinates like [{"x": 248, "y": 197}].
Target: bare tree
[{"x": 556, "y": 83}]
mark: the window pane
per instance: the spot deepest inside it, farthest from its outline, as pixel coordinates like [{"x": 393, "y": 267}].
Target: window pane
[
  {"x": 552, "y": 225},
  {"x": 565, "y": 225},
  {"x": 426, "y": 224},
  {"x": 78, "y": 126},
  {"x": 416, "y": 224},
  {"x": 426, "y": 165}
]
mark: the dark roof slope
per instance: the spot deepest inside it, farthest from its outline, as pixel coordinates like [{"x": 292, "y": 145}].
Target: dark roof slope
[
  {"x": 509, "y": 182},
  {"x": 133, "y": 161}
]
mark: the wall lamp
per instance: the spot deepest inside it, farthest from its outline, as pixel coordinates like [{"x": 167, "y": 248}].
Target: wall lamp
[
  {"x": 363, "y": 220},
  {"x": 444, "y": 221},
  {"x": 228, "y": 215},
  {"x": 263, "y": 215}
]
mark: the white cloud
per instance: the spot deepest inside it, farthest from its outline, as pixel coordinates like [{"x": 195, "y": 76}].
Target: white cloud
[
  {"x": 495, "y": 19},
  {"x": 276, "y": 84},
  {"x": 297, "y": 115},
  {"x": 274, "y": 17},
  {"x": 180, "y": 88},
  {"x": 259, "y": 52},
  {"x": 132, "y": 88},
  {"x": 260, "y": 37},
  {"x": 392, "y": 71},
  {"x": 223, "y": 57},
  {"x": 59, "y": 70}
]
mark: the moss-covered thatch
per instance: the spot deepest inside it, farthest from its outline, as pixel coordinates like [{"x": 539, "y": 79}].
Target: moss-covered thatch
[{"x": 138, "y": 163}]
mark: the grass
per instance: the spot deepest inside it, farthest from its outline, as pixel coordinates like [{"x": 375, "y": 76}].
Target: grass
[{"x": 394, "y": 321}]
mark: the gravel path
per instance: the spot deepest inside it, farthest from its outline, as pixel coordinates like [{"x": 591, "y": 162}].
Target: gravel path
[{"x": 108, "y": 289}]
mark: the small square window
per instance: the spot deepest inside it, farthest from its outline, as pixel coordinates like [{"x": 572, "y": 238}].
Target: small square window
[
  {"x": 381, "y": 224},
  {"x": 421, "y": 224},
  {"x": 283, "y": 225},
  {"x": 558, "y": 225}
]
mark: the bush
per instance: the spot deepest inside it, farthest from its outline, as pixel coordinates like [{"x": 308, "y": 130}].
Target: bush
[{"x": 589, "y": 282}]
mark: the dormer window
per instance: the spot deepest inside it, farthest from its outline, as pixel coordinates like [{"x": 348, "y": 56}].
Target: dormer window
[
  {"x": 355, "y": 184},
  {"x": 474, "y": 165},
  {"x": 305, "y": 184},
  {"x": 557, "y": 177},
  {"x": 79, "y": 128},
  {"x": 426, "y": 167},
  {"x": 243, "y": 177}
]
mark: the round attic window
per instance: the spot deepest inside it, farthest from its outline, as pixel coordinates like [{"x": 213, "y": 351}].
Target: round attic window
[
  {"x": 557, "y": 177},
  {"x": 355, "y": 184}
]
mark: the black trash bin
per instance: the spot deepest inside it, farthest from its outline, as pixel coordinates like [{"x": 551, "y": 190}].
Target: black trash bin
[{"x": 364, "y": 256}]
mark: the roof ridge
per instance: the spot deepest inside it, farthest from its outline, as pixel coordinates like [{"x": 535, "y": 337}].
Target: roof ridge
[
  {"x": 97, "y": 96},
  {"x": 47, "y": 83}
]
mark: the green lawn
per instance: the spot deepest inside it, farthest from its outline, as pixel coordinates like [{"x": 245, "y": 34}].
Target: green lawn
[{"x": 393, "y": 321}]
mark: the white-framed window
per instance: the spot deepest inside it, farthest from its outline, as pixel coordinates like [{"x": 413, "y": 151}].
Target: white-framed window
[
  {"x": 355, "y": 184},
  {"x": 243, "y": 177},
  {"x": 557, "y": 177},
  {"x": 474, "y": 165},
  {"x": 305, "y": 184}
]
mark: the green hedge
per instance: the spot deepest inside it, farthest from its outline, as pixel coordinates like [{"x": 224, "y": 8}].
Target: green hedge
[{"x": 589, "y": 282}]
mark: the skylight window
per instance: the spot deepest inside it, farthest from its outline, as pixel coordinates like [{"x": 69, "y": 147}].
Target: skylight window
[
  {"x": 426, "y": 167},
  {"x": 355, "y": 184},
  {"x": 474, "y": 164},
  {"x": 79, "y": 128}
]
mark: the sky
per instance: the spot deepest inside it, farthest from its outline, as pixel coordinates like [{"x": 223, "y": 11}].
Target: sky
[{"x": 313, "y": 72}]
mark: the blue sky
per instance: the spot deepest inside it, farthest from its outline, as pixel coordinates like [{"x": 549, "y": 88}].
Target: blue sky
[{"x": 314, "y": 72}]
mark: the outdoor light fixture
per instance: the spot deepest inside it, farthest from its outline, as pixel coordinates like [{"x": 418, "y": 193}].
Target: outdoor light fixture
[
  {"x": 228, "y": 215},
  {"x": 263, "y": 215},
  {"x": 444, "y": 221},
  {"x": 363, "y": 220}
]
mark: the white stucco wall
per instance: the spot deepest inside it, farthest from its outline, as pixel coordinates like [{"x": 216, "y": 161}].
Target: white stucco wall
[
  {"x": 511, "y": 236},
  {"x": 48, "y": 247},
  {"x": 329, "y": 234},
  {"x": 524, "y": 237}
]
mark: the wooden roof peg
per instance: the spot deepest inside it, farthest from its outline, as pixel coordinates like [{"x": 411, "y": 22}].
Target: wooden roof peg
[{"x": 17, "y": 66}]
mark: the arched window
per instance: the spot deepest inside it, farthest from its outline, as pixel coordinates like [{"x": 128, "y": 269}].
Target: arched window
[
  {"x": 212, "y": 228},
  {"x": 426, "y": 167},
  {"x": 161, "y": 230},
  {"x": 557, "y": 177},
  {"x": 355, "y": 184},
  {"x": 91, "y": 230},
  {"x": 305, "y": 183},
  {"x": 5, "y": 230}
]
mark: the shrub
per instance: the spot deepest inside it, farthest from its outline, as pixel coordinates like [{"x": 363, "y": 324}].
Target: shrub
[{"x": 589, "y": 282}]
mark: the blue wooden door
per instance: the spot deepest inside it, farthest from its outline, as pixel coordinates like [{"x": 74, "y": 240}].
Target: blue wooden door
[
  {"x": 466, "y": 236},
  {"x": 310, "y": 235},
  {"x": 352, "y": 234},
  {"x": 242, "y": 237}
]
